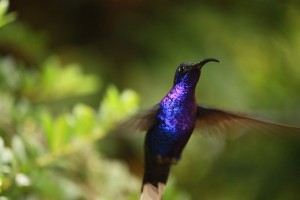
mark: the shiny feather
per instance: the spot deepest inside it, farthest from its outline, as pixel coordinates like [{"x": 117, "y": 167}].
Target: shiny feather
[
  {"x": 141, "y": 121},
  {"x": 211, "y": 121}
]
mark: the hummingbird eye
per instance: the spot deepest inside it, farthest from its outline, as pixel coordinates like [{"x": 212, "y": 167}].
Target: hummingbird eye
[{"x": 182, "y": 69}]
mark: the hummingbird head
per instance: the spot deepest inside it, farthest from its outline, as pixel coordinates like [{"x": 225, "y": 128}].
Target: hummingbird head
[{"x": 188, "y": 73}]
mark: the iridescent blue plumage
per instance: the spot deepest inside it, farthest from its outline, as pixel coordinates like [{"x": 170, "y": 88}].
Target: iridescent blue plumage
[
  {"x": 174, "y": 124},
  {"x": 177, "y": 115}
]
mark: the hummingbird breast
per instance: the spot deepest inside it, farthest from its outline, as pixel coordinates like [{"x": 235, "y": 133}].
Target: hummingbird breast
[
  {"x": 177, "y": 117},
  {"x": 175, "y": 123},
  {"x": 178, "y": 110}
]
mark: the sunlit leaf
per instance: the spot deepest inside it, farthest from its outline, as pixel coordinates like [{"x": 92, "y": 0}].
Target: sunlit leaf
[
  {"x": 61, "y": 134},
  {"x": 19, "y": 149},
  {"x": 116, "y": 106},
  {"x": 5, "y": 18},
  {"x": 3, "y": 7},
  {"x": 48, "y": 126},
  {"x": 84, "y": 120},
  {"x": 56, "y": 81}
]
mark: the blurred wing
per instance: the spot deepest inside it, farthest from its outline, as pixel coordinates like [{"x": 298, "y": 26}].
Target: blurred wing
[
  {"x": 143, "y": 120},
  {"x": 222, "y": 123}
]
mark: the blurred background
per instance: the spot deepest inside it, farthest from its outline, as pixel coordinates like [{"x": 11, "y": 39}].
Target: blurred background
[{"x": 71, "y": 70}]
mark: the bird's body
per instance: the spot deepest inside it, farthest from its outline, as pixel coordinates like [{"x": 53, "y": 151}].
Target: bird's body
[
  {"x": 170, "y": 124},
  {"x": 175, "y": 122}
]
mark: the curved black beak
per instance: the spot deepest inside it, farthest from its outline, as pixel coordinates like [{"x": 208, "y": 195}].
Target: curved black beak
[{"x": 200, "y": 64}]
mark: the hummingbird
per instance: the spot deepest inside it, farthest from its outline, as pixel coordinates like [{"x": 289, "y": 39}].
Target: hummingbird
[{"x": 170, "y": 123}]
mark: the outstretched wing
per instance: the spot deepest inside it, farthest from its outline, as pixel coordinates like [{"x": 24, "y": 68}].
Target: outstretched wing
[
  {"x": 218, "y": 122},
  {"x": 142, "y": 121}
]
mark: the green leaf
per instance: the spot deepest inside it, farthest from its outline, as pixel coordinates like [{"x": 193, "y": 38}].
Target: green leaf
[
  {"x": 129, "y": 100},
  {"x": 61, "y": 133},
  {"x": 116, "y": 106},
  {"x": 3, "y": 7},
  {"x": 19, "y": 149},
  {"x": 57, "y": 81},
  {"x": 5, "y": 18},
  {"x": 5, "y": 153},
  {"x": 47, "y": 122},
  {"x": 84, "y": 120}
]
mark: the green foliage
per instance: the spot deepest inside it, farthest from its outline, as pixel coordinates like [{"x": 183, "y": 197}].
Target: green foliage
[
  {"x": 41, "y": 142},
  {"x": 4, "y": 17},
  {"x": 47, "y": 84},
  {"x": 6, "y": 159},
  {"x": 24, "y": 44},
  {"x": 38, "y": 148}
]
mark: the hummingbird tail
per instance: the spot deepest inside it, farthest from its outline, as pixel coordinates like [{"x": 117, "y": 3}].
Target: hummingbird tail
[
  {"x": 155, "y": 178},
  {"x": 151, "y": 192}
]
